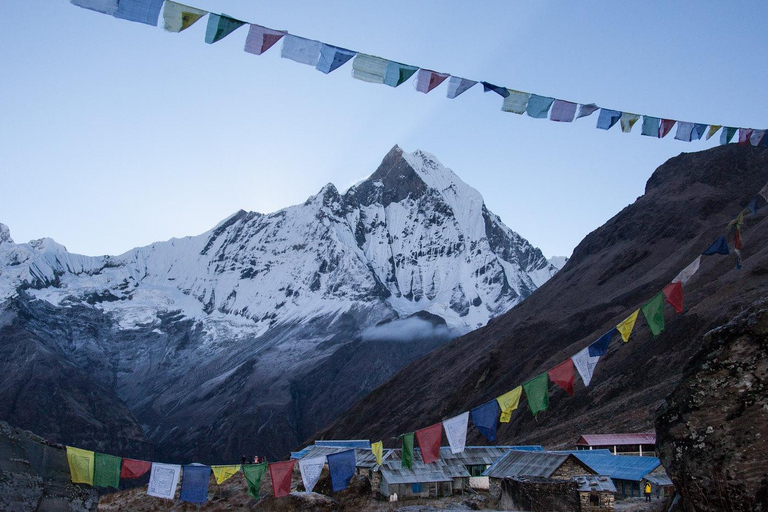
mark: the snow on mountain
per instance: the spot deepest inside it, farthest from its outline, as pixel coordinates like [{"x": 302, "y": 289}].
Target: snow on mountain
[{"x": 558, "y": 261}]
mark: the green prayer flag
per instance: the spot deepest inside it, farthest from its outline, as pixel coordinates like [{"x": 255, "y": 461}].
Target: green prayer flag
[
  {"x": 407, "y": 456},
  {"x": 106, "y": 470},
  {"x": 253, "y": 474},
  {"x": 537, "y": 393},
  {"x": 653, "y": 310}
]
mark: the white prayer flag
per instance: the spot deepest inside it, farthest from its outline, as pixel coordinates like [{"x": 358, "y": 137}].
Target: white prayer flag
[
  {"x": 310, "y": 471},
  {"x": 456, "y": 431},
  {"x": 585, "y": 364},
  {"x": 688, "y": 271},
  {"x": 163, "y": 480},
  {"x": 303, "y": 51},
  {"x": 458, "y": 85}
]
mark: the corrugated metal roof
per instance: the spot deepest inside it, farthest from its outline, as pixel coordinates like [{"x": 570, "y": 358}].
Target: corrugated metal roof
[
  {"x": 620, "y": 467},
  {"x": 473, "y": 455},
  {"x": 414, "y": 476},
  {"x": 659, "y": 479},
  {"x": 346, "y": 443},
  {"x": 616, "y": 439},
  {"x": 520, "y": 463},
  {"x": 597, "y": 483},
  {"x": 363, "y": 458},
  {"x": 604, "y": 451}
]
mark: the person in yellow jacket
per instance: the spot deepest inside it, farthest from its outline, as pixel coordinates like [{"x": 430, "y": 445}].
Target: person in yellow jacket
[{"x": 647, "y": 491}]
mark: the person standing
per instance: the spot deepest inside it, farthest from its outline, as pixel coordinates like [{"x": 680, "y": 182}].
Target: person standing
[{"x": 647, "y": 491}]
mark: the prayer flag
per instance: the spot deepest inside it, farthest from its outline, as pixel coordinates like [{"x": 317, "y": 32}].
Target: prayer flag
[
  {"x": 666, "y": 127},
  {"x": 457, "y": 85},
  {"x": 429, "y": 442},
  {"x": 220, "y": 26},
  {"x": 626, "y": 326},
  {"x": 194, "y": 483},
  {"x": 103, "y": 6},
  {"x": 757, "y": 137},
  {"x": 163, "y": 480},
  {"x": 754, "y": 205},
  {"x": 688, "y": 271},
  {"x": 281, "y": 473},
  {"x": 332, "y": 58},
  {"x": 310, "y": 471},
  {"x": 720, "y": 246},
  {"x": 178, "y": 17},
  {"x": 563, "y": 111},
  {"x": 509, "y": 402},
  {"x": 698, "y": 131},
  {"x": 600, "y": 347},
  {"x": 224, "y": 473},
  {"x": 713, "y": 129},
  {"x": 607, "y": 118},
  {"x": 369, "y": 68},
  {"x": 140, "y": 11},
  {"x": 485, "y": 418},
  {"x": 301, "y": 50},
  {"x": 106, "y": 470},
  {"x": 456, "y": 431},
  {"x": 744, "y": 135},
  {"x": 674, "y": 295},
  {"x": 406, "y": 456},
  {"x": 261, "y": 39},
  {"x": 737, "y": 239},
  {"x": 651, "y": 126},
  {"x": 563, "y": 375},
  {"x": 426, "y": 80},
  {"x": 684, "y": 131},
  {"x": 253, "y": 474},
  {"x": 537, "y": 393},
  {"x": 501, "y": 91},
  {"x": 628, "y": 121},
  {"x": 134, "y": 468},
  {"x": 515, "y": 101},
  {"x": 587, "y": 110},
  {"x": 398, "y": 73},
  {"x": 342, "y": 468},
  {"x": 727, "y": 135},
  {"x": 80, "y": 465},
  {"x": 653, "y": 310},
  {"x": 585, "y": 365},
  {"x": 538, "y": 106},
  {"x": 378, "y": 451}
]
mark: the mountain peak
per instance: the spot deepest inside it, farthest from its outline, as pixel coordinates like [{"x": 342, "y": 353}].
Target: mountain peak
[{"x": 5, "y": 234}]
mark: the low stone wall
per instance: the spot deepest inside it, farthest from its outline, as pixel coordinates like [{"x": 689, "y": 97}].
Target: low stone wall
[{"x": 538, "y": 494}]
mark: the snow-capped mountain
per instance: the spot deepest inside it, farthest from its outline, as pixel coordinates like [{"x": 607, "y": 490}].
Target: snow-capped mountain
[{"x": 272, "y": 298}]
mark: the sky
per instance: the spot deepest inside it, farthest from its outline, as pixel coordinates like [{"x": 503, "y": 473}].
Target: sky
[{"x": 116, "y": 134}]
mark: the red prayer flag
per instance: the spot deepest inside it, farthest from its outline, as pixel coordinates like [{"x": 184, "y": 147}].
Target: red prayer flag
[
  {"x": 674, "y": 294},
  {"x": 563, "y": 375},
  {"x": 737, "y": 239},
  {"x": 429, "y": 442},
  {"x": 281, "y": 473},
  {"x": 134, "y": 468},
  {"x": 665, "y": 126}
]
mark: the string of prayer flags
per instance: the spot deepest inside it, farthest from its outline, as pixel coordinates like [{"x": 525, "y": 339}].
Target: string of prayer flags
[
  {"x": 720, "y": 246},
  {"x": 537, "y": 393},
  {"x": 458, "y": 85},
  {"x": 509, "y": 402},
  {"x": 163, "y": 480},
  {"x": 538, "y": 106},
  {"x": 628, "y": 121},
  {"x": 261, "y": 39},
  {"x": 653, "y": 310},
  {"x": 134, "y": 468},
  {"x": 80, "y": 465},
  {"x": 587, "y": 110},
  {"x": 106, "y": 470},
  {"x": 280, "y": 473},
  {"x": 626, "y": 326},
  {"x": 301, "y": 50},
  {"x": 102, "y": 6},
  {"x": 398, "y": 73},
  {"x": 253, "y": 474},
  {"x": 456, "y": 431},
  {"x": 485, "y": 418},
  {"x": 688, "y": 271},
  {"x": 429, "y": 442},
  {"x": 501, "y": 91},
  {"x": 515, "y": 101},
  {"x": 224, "y": 473},
  {"x": 310, "y": 471},
  {"x": 564, "y": 375},
  {"x": 332, "y": 58},
  {"x": 563, "y": 111},
  {"x": 666, "y": 127},
  {"x": 585, "y": 365},
  {"x": 140, "y": 11},
  {"x": 194, "y": 483},
  {"x": 726, "y": 136},
  {"x": 673, "y": 292},
  {"x": 406, "y": 451},
  {"x": 684, "y": 131},
  {"x": 744, "y": 134},
  {"x": 650, "y": 126},
  {"x": 342, "y": 468},
  {"x": 607, "y": 118},
  {"x": 713, "y": 129},
  {"x": 220, "y": 26},
  {"x": 698, "y": 131},
  {"x": 178, "y": 17},
  {"x": 369, "y": 68},
  {"x": 378, "y": 451},
  {"x": 600, "y": 347},
  {"x": 426, "y": 80}
]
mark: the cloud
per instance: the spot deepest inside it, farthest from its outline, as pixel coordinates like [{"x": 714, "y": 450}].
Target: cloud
[{"x": 408, "y": 329}]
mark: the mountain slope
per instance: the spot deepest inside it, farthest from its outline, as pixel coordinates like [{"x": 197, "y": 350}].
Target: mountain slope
[{"x": 687, "y": 203}]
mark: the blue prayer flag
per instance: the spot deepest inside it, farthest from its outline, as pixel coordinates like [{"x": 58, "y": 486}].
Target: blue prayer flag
[
  {"x": 342, "y": 468},
  {"x": 607, "y": 118},
  {"x": 333, "y": 57},
  {"x": 485, "y": 419},
  {"x": 194, "y": 483},
  {"x": 719, "y": 247},
  {"x": 538, "y": 106},
  {"x": 651, "y": 126},
  {"x": 141, "y": 11},
  {"x": 698, "y": 131},
  {"x": 501, "y": 91},
  {"x": 600, "y": 347}
]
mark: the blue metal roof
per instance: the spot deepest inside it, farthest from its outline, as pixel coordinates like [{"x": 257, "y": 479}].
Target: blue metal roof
[
  {"x": 527, "y": 448},
  {"x": 618, "y": 467},
  {"x": 349, "y": 443},
  {"x": 603, "y": 451}
]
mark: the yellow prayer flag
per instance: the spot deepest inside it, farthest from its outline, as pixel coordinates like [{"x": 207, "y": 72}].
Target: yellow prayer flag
[
  {"x": 626, "y": 326},
  {"x": 378, "y": 451},
  {"x": 222, "y": 473},
  {"x": 509, "y": 402},
  {"x": 713, "y": 129},
  {"x": 80, "y": 465}
]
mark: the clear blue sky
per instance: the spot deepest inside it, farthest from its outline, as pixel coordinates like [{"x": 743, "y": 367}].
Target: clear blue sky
[{"x": 115, "y": 134}]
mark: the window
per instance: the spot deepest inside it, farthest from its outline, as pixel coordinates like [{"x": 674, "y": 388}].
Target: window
[
  {"x": 594, "y": 499},
  {"x": 416, "y": 488}
]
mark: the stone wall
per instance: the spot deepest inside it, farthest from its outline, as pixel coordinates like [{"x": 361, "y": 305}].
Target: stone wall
[
  {"x": 570, "y": 468},
  {"x": 538, "y": 494},
  {"x": 605, "y": 503}
]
